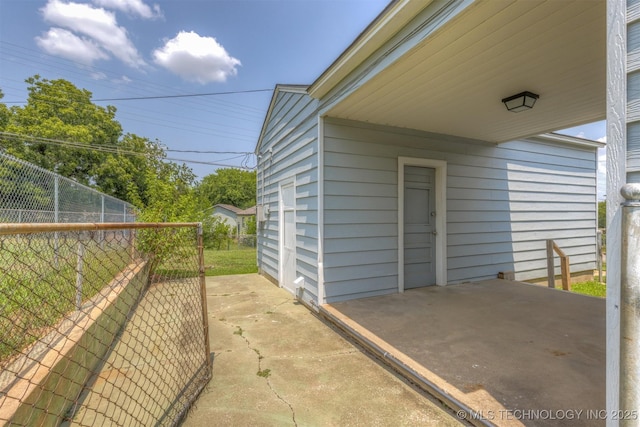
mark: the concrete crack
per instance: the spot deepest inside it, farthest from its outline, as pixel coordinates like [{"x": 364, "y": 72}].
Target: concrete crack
[
  {"x": 226, "y": 294},
  {"x": 276, "y": 394},
  {"x": 265, "y": 373}
]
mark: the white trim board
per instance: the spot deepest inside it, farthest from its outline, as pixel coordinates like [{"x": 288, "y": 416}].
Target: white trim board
[
  {"x": 321, "y": 290},
  {"x": 440, "y": 167}
]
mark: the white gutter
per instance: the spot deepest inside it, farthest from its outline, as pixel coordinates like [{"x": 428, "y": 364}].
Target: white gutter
[{"x": 572, "y": 140}]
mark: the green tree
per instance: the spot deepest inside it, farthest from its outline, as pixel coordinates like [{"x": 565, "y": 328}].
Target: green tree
[
  {"x": 216, "y": 232},
  {"x": 133, "y": 169},
  {"x": 130, "y": 177},
  {"x": 170, "y": 195},
  {"x": 171, "y": 199},
  {"x": 602, "y": 214},
  {"x": 4, "y": 114},
  {"x": 58, "y": 110},
  {"x": 229, "y": 186},
  {"x": 251, "y": 226}
]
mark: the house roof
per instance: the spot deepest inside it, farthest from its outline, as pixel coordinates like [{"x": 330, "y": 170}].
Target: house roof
[
  {"x": 444, "y": 66},
  {"x": 230, "y": 208},
  {"x": 236, "y": 210},
  {"x": 396, "y": 14},
  {"x": 248, "y": 212},
  {"x": 570, "y": 140}
]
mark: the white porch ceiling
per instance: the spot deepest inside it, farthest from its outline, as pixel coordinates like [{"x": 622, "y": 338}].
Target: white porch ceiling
[{"x": 454, "y": 80}]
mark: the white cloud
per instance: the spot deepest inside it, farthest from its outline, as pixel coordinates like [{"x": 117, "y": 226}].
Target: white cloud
[
  {"x": 61, "y": 42},
  {"x": 94, "y": 24},
  {"x": 132, "y": 7},
  {"x": 196, "y": 58},
  {"x": 123, "y": 80},
  {"x": 98, "y": 75}
]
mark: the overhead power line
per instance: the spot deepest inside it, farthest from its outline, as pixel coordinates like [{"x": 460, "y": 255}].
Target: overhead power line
[
  {"x": 116, "y": 150},
  {"x": 30, "y": 56},
  {"x": 186, "y": 95}
]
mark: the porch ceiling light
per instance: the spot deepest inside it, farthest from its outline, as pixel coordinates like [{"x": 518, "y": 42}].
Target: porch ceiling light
[{"x": 520, "y": 102}]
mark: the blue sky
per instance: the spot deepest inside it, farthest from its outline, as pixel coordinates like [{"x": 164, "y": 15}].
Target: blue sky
[
  {"x": 136, "y": 48},
  {"x": 139, "y": 48}
]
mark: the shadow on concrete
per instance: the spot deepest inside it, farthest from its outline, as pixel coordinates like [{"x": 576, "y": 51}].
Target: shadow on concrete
[{"x": 510, "y": 352}]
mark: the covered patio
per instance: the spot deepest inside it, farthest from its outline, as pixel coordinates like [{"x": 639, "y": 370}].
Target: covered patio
[{"x": 508, "y": 353}]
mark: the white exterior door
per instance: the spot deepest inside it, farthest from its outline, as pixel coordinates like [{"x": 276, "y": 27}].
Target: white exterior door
[
  {"x": 287, "y": 237},
  {"x": 419, "y": 227}
]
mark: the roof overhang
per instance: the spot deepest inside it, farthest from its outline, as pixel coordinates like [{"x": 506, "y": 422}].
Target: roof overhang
[
  {"x": 460, "y": 58},
  {"x": 569, "y": 140},
  {"x": 389, "y": 22}
]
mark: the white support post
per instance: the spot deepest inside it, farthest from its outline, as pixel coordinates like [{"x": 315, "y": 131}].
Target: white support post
[
  {"x": 617, "y": 80},
  {"x": 630, "y": 307}
]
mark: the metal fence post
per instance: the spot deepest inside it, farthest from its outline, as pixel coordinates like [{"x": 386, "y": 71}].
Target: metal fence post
[
  {"x": 79, "y": 266},
  {"x": 102, "y": 217},
  {"x": 56, "y": 199},
  {"x": 132, "y": 244},
  {"x": 56, "y": 210},
  {"x": 203, "y": 296},
  {"x": 630, "y": 303},
  {"x": 48, "y": 327}
]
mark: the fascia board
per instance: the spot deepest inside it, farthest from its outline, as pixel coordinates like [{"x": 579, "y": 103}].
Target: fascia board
[
  {"x": 571, "y": 140},
  {"x": 391, "y": 20}
]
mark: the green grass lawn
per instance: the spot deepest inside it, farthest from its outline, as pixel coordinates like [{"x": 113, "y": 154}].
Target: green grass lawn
[
  {"x": 592, "y": 287},
  {"x": 230, "y": 261},
  {"x": 35, "y": 293}
]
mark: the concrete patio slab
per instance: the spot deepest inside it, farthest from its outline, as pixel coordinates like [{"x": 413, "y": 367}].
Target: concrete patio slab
[
  {"x": 275, "y": 363},
  {"x": 513, "y": 353}
]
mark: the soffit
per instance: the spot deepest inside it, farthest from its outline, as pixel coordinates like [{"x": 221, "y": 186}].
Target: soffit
[{"x": 453, "y": 81}]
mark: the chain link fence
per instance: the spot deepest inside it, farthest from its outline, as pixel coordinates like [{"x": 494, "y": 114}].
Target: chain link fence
[
  {"x": 101, "y": 324},
  {"x": 30, "y": 194}
]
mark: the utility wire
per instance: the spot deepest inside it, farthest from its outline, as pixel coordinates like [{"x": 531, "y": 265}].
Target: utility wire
[
  {"x": 111, "y": 146},
  {"x": 186, "y": 95},
  {"x": 72, "y": 67},
  {"x": 114, "y": 150},
  {"x": 195, "y": 128}
]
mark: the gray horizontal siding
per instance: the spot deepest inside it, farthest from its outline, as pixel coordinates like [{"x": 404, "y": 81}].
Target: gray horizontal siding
[
  {"x": 289, "y": 150},
  {"x": 503, "y": 202}
]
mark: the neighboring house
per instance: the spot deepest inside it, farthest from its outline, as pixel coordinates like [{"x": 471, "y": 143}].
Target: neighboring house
[
  {"x": 400, "y": 167},
  {"x": 235, "y": 217}
]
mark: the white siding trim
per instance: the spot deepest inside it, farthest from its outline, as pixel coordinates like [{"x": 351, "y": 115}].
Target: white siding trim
[
  {"x": 321, "y": 290},
  {"x": 616, "y": 176},
  {"x": 440, "y": 167}
]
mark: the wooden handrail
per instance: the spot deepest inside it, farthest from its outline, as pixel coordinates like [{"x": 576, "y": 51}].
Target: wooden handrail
[{"x": 564, "y": 266}]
